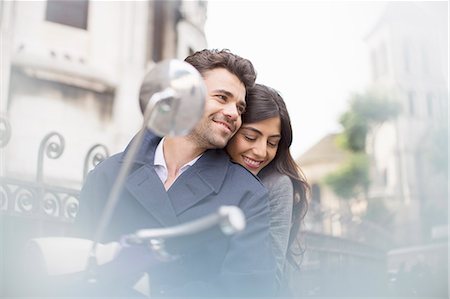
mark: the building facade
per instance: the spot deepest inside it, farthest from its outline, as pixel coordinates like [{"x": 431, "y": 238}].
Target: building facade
[
  {"x": 409, "y": 57},
  {"x": 70, "y": 77},
  {"x": 75, "y": 67}
]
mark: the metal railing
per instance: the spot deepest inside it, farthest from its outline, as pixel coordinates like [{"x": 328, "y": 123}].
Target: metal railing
[{"x": 37, "y": 199}]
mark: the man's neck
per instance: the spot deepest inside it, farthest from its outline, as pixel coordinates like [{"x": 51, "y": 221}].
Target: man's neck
[{"x": 178, "y": 151}]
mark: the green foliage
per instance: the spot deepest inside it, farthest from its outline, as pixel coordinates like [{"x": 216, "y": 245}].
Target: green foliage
[
  {"x": 352, "y": 178},
  {"x": 365, "y": 111},
  {"x": 355, "y": 131},
  {"x": 374, "y": 107}
]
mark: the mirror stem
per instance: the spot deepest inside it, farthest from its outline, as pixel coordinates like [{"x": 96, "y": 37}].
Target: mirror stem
[{"x": 125, "y": 169}]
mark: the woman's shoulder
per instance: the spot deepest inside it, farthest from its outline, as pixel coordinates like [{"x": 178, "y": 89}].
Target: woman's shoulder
[
  {"x": 273, "y": 178},
  {"x": 281, "y": 190}
]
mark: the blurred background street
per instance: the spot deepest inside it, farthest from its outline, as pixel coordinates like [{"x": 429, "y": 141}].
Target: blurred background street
[{"x": 366, "y": 85}]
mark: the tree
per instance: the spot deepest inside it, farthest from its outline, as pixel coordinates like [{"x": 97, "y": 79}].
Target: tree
[
  {"x": 366, "y": 111},
  {"x": 352, "y": 178}
]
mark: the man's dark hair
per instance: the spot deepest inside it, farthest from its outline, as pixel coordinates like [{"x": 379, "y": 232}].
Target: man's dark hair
[
  {"x": 206, "y": 60},
  {"x": 209, "y": 59}
]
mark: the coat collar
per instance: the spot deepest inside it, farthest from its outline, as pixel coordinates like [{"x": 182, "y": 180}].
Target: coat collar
[
  {"x": 146, "y": 152},
  {"x": 203, "y": 178}
]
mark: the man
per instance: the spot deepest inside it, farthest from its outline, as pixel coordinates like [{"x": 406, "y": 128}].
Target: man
[{"x": 179, "y": 179}]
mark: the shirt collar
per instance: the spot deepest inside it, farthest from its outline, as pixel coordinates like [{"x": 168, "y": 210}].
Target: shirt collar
[{"x": 159, "y": 156}]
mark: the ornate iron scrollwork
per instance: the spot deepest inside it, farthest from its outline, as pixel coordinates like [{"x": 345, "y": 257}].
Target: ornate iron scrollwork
[
  {"x": 70, "y": 207},
  {"x": 5, "y": 131},
  {"x": 51, "y": 204},
  {"x": 26, "y": 200},
  {"x": 95, "y": 155},
  {"x": 5, "y": 194},
  {"x": 53, "y": 146},
  {"x": 38, "y": 199}
]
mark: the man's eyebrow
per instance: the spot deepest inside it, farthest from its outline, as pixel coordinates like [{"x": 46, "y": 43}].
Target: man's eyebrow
[{"x": 224, "y": 91}]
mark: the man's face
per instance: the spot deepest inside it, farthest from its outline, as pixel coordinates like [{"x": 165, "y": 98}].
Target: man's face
[{"x": 225, "y": 102}]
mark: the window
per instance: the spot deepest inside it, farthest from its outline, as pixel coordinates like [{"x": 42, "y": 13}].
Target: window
[
  {"x": 407, "y": 57},
  {"x": 425, "y": 61},
  {"x": 385, "y": 177},
  {"x": 411, "y": 104},
  {"x": 374, "y": 60},
  {"x": 72, "y": 13},
  {"x": 383, "y": 59},
  {"x": 159, "y": 16},
  {"x": 430, "y": 104}
]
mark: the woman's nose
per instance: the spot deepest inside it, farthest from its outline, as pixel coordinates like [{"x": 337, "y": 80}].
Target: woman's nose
[{"x": 260, "y": 149}]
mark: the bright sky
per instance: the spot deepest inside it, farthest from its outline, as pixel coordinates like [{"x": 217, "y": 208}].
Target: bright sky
[{"x": 312, "y": 52}]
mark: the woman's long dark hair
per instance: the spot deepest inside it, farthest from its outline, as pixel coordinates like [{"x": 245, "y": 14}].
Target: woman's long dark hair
[{"x": 264, "y": 102}]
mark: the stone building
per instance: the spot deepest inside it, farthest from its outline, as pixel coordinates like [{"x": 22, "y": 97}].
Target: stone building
[
  {"x": 320, "y": 160},
  {"x": 408, "y": 49},
  {"x": 75, "y": 67},
  {"x": 409, "y": 58},
  {"x": 70, "y": 76}
]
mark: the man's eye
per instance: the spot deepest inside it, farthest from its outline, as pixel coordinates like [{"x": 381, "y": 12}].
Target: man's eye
[
  {"x": 241, "y": 109},
  {"x": 221, "y": 97}
]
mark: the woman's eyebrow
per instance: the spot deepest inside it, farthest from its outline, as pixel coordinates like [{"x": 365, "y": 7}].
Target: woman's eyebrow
[
  {"x": 259, "y": 132},
  {"x": 243, "y": 127},
  {"x": 275, "y": 136}
]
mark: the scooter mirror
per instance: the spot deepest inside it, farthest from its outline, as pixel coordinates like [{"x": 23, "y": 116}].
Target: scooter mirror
[{"x": 172, "y": 98}]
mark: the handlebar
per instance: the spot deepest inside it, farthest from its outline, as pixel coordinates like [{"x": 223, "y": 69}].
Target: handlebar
[
  {"x": 230, "y": 220},
  {"x": 65, "y": 260}
]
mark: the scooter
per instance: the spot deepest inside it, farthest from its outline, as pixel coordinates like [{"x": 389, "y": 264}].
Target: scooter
[{"x": 172, "y": 103}]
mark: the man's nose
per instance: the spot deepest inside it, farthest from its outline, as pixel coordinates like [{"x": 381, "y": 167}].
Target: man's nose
[{"x": 230, "y": 110}]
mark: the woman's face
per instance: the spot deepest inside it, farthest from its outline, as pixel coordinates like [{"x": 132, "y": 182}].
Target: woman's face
[{"x": 255, "y": 145}]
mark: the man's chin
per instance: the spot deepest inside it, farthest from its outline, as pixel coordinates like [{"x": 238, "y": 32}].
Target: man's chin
[{"x": 220, "y": 143}]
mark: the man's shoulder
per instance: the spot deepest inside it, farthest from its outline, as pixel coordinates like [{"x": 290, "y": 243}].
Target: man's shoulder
[
  {"x": 241, "y": 170},
  {"x": 241, "y": 174},
  {"x": 108, "y": 164},
  {"x": 234, "y": 176}
]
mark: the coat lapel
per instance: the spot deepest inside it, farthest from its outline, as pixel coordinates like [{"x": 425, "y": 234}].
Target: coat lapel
[
  {"x": 203, "y": 178},
  {"x": 200, "y": 180},
  {"x": 145, "y": 185}
]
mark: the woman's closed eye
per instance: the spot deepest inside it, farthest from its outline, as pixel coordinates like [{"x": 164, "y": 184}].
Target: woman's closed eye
[
  {"x": 273, "y": 141},
  {"x": 249, "y": 138}
]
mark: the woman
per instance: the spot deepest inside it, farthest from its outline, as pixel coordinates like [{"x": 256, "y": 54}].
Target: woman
[{"x": 262, "y": 146}]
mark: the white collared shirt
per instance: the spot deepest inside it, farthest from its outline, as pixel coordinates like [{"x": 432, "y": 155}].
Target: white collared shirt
[{"x": 160, "y": 163}]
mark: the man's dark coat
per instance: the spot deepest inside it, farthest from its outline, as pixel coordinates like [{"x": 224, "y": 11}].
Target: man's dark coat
[{"x": 238, "y": 266}]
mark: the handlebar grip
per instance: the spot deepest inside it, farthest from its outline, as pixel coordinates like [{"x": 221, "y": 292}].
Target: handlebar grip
[{"x": 229, "y": 220}]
